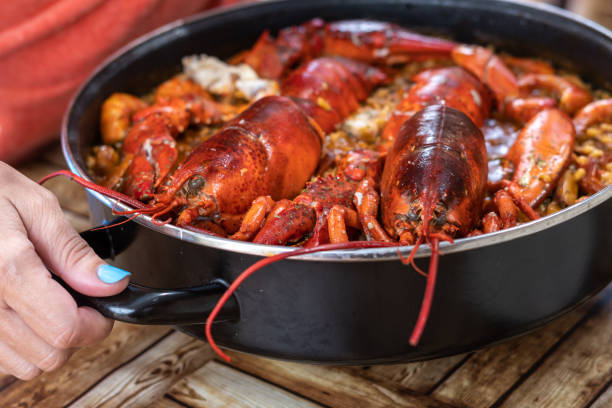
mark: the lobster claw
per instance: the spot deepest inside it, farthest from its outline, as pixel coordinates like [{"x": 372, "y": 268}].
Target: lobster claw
[
  {"x": 571, "y": 96},
  {"x": 376, "y": 41},
  {"x": 595, "y": 112},
  {"x": 540, "y": 154},
  {"x": 365, "y": 40},
  {"x": 153, "y": 149},
  {"x": 490, "y": 69},
  {"x": 514, "y": 96}
]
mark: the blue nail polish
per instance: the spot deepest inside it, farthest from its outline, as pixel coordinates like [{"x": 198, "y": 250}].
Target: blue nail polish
[{"x": 110, "y": 274}]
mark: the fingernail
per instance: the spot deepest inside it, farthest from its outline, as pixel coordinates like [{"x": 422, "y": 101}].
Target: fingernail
[{"x": 110, "y": 274}]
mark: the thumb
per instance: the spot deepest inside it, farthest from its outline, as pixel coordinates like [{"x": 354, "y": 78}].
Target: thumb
[
  {"x": 77, "y": 264},
  {"x": 65, "y": 253}
]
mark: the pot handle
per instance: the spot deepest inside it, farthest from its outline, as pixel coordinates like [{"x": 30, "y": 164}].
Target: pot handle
[{"x": 141, "y": 305}]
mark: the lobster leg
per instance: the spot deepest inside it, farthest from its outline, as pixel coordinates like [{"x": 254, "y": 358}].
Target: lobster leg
[
  {"x": 366, "y": 201},
  {"x": 508, "y": 211},
  {"x": 337, "y": 220},
  {"x": 254, "y": 218},
  {"x": 291, "y": 225},
  {"x": 491, "y": 223}
]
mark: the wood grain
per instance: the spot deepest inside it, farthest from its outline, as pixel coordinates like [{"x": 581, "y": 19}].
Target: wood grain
[
  {"x": 419, "y": 377},
  {"x": 165, "y": 403},
  {"x": 6, "y": 380},
  {"x": 332, "y": 386},
  {"x": 84, "y": 369},
  {"x": 147, "y": 378},
  {"x": 489, "y": 373},
  {"x": 218, "y": 386},
  {"x": 605, "y": 399},
  {"x": 574, "y": 374}
]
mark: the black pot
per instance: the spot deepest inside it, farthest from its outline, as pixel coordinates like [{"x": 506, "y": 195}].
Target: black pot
[{"x": 359, "y": 306}]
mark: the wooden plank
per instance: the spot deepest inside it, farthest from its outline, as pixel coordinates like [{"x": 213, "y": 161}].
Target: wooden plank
[
  {"x": 332, "y": 386},
  {"x": 418, "y": 377},
  {"x": 6, "y": 380},
  {"x": 218, "y": 386},
  {"x": 165, "y": 403},
  {"x": 86, "y": 367},
  {"x": 70, "y": 195},
  {"x": 148, "y": 378},
  {"x": 575, "y": 373},
  {"x": 604, "y": 400},
  {"x": 489, "y": 373}
]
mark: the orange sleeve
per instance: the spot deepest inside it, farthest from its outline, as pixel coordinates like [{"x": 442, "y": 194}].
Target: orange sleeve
[{"x": 49, "y": 47}]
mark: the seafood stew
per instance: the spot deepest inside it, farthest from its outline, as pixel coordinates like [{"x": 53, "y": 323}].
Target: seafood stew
[{"x": 358, "y": 98}]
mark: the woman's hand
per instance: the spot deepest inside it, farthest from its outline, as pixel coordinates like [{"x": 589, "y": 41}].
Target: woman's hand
[{"x": 40, "y": 323}]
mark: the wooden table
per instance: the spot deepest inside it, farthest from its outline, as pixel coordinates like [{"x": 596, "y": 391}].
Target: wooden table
[{"x": 566, "y": 364}]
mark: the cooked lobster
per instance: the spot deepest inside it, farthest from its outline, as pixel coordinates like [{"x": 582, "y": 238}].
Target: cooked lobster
[
  {"x": 148, "y": 132},
  {"x": 433, "y": 186},
  {"x": 270, "y": 149},
  {"x": 365, "y": 40}
]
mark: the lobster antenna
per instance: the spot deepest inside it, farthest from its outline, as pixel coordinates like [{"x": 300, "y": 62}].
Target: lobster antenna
[
  {"x": 410, "y": 259},
  {"x": 116, "y": 224},
  {"x": 270, "y": 260},
  {"x": 429, "y": 291},
  {"x": 139, "y": 208},
  {"x": 92, "y": 186}
]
